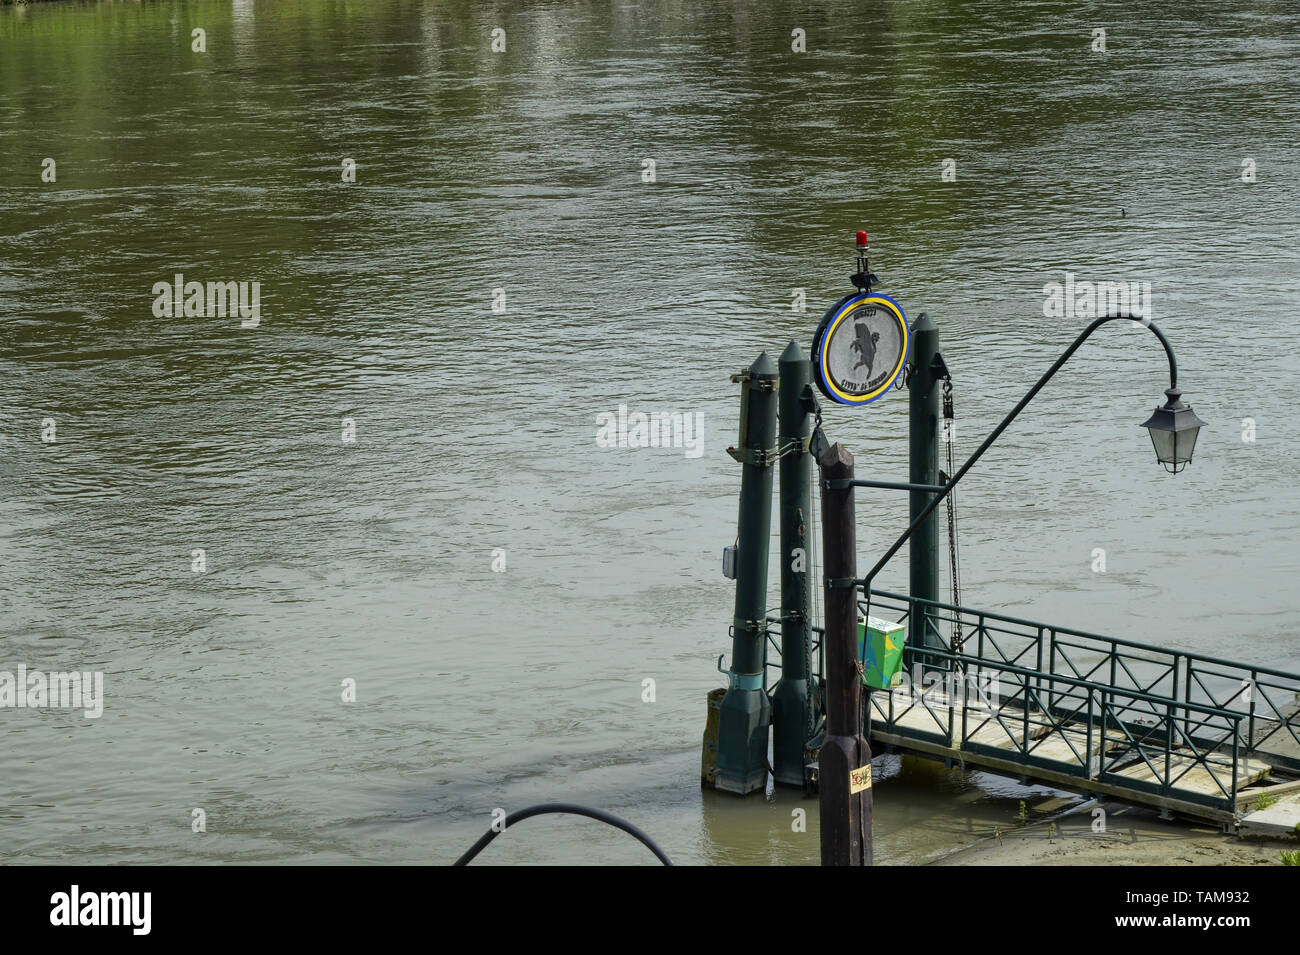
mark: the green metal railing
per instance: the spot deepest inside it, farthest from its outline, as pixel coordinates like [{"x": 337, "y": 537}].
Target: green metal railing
[
  {"x": 1012, "y": 717},
  {"x": 773, "y": 642},
  {"x": 1167, "y": 722},
  {"x": 1268, "y": 700}
]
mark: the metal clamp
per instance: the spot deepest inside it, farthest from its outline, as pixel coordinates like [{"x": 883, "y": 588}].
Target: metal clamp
[
  {"x": 761, "y": 382},
  {"x": 818, "y": 443},
  {"x": 758, "y": 457},
  {"x": 939, "y": 367},
  {"x": 808, "y": 402},
  {"x": 840, "y": 583},
  {"x": 745, "y": 681},
  {"x": 796, "y": 446}
]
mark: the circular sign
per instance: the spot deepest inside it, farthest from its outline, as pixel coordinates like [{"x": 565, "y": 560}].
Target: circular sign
[{"x": 860, "y": 348}]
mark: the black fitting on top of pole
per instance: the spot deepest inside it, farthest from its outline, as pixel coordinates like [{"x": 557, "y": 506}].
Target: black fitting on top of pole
[{"x": 863, "y": 278}]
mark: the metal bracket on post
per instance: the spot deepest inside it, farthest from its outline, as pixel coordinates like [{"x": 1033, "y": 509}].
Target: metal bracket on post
[
  {"x": 809, "y": 403},
  {"x": 818, "y": 444},
  {"x": 758, "y": 457},
  {"x": 746, "y": 379},
  {"x": 744, "y": 681},
  {"x": 797, "y": 446}
]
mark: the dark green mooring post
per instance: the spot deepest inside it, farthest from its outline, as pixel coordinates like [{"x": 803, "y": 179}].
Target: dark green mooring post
[
  {"x": 844, "y": 766},
  {"x": 790, "y": 730},
  {"x": 745, "y": 713},
  {"x": 923, "y": 427}
]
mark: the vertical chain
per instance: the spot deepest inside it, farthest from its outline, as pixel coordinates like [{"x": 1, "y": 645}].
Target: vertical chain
[
  {"x": 815, "y": 612},
  {"x": 805, "y": 524},
  {"x": 954, "y": 559}
]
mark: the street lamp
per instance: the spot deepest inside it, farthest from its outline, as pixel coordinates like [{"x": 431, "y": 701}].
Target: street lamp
[{"x": 1173, "y": 432}]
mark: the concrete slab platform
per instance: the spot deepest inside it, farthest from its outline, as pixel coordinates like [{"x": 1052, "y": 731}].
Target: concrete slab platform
[{"x": 1279, "y": 821}]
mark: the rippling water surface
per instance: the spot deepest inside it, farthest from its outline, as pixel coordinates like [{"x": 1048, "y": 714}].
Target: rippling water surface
[{"x": 521, "y": 171}]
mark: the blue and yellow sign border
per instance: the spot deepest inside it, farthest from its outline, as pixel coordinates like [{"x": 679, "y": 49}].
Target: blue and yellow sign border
[{"x": 832, "y": 320}]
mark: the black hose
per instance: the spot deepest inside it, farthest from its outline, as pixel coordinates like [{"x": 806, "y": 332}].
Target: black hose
[{"x": 564, "y": 807}]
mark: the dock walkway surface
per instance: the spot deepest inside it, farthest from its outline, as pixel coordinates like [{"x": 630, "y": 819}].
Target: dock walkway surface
[{"x": 1198, "y": 782}]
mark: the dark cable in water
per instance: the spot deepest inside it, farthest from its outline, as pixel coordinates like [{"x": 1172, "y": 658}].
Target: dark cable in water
[{"x": 564, "y": 807}]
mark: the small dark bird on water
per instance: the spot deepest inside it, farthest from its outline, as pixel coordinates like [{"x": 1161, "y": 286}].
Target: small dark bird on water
[{"x": 1122, "y": 213}]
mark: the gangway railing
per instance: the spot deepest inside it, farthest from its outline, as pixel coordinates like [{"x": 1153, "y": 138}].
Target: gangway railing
[
  {"x": 1017, "y": 714},
  {"x": 1117, "y": 714},
  {"x": 1267, "y": 700}
]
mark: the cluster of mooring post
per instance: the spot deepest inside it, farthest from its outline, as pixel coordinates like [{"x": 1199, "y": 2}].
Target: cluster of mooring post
[
  {"x": 736, "y": 738},
  {"x": 746, "y": 710},
  {"x": 736, "y": 745}
]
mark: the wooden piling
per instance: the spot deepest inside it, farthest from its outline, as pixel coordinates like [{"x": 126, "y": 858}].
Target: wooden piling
[{"x": 844, "y": 766}]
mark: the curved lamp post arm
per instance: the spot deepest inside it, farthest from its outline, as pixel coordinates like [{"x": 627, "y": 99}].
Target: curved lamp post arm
[{"x": 938, "y": 498}]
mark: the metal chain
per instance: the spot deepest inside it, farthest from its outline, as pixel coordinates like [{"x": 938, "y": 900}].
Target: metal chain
[
  {"x": 954, "y": 558},
  {"x": 807, "y": 644},
  {"x": 818, "y": 614}
]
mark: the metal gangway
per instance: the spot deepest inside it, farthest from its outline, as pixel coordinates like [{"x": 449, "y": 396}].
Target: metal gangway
[{"x": 1182, "y": 732}]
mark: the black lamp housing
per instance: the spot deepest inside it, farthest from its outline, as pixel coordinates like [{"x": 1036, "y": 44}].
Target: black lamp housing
[{"x": 1173, "y": 432}]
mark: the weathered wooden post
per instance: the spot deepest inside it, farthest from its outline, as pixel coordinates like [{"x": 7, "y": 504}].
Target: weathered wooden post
[
  {"x": 745, "y": 713},
  {"x": 844, "y": 767},
  {"x": 790, "y": 730}
]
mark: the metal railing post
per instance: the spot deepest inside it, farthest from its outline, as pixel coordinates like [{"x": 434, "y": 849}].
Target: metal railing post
[
  {"x": 1169, "y": 742},
  {"x": 1051, "y": 698},
  {"x": 1087, "y": 746},
  {"x": 1254, "y": 690},
  {"x": 1236, "y": 739}
]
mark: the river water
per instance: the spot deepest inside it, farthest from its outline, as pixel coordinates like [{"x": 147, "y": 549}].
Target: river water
[{"x": 522, "y": 171}]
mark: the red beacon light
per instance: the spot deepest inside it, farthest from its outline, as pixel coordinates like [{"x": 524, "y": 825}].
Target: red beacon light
[{"x": 863, "y": 278}]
